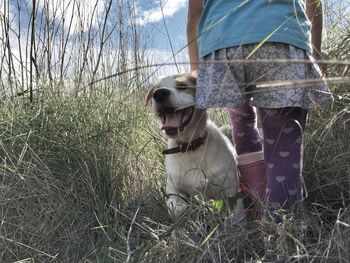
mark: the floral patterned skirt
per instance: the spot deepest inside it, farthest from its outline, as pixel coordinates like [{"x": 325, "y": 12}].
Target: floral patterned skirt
[{"x": 224, "y": 83}]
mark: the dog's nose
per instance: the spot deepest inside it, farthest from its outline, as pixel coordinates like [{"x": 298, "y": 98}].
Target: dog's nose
[{"x": 161, "y": 94}]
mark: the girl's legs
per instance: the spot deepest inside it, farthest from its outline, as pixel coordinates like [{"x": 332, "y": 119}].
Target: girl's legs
[
  {"x": 245, "y": 134},
  {"x": 251, "y": 164},
  {"x": 283, "y": 135}
]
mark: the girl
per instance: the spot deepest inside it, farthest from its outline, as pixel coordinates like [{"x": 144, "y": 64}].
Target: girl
[{"x": 222, "y": 31}]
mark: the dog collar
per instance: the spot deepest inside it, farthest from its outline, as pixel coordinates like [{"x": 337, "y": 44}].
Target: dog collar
[{"x": 185, "y": 147}]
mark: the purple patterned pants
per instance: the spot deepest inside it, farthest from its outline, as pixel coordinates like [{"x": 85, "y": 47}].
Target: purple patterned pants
[{"x": 282, "y": 143}]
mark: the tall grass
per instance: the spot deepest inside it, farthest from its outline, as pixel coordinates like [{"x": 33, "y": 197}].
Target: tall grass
[
  {"x": 71, "y": 170},
  {"x": 74, "y": 43},
  {"x": 81, "y": 170}
]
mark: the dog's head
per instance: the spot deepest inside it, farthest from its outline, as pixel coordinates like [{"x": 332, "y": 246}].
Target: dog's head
[{"x": 173, "y": 101}]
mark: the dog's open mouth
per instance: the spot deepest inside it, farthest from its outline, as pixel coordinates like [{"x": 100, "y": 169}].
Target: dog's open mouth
[{"x": 175, "y": 120}]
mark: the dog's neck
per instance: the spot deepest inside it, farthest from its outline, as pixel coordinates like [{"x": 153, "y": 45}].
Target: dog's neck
[
  {"x": 193, "y": 139},
  {"x": 183, "y": 147}
]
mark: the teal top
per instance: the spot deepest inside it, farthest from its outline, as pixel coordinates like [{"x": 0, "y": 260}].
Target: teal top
[{"x": 229, "y": 23}]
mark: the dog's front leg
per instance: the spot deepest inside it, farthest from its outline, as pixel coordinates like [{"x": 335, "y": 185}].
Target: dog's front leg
[{"x": 176, "y": 202}]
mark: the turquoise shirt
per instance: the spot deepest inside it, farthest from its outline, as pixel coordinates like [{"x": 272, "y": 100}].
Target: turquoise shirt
[{"x": 229, "y": 23}]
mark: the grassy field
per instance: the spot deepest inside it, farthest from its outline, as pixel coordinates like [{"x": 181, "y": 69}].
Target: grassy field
[
  {"x": 82, "y": 176},
  {"x": 82, "y": 179}
]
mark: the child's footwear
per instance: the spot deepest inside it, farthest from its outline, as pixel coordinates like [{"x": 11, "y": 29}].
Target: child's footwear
[{"x": 252, "y": 169}]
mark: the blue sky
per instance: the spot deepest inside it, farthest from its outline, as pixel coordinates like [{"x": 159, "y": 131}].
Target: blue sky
[
  {"x": 174, "y": 22},
  {"x": 167, "y": 26},
  {"x": 163, "y": 20},
  {"x": 154, "y": 16},
  {"x": 172, "y": 19}
]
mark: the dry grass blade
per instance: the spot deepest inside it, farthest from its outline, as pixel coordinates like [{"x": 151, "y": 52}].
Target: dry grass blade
[
  {"x": 129, "y": 250},
  {"x": 236, "y": 61},
  {"x": 307, "y": 82},
  {"x": 208, "y": 237}
]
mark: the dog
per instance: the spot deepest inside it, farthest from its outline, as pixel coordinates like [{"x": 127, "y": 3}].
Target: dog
[{"x": 200, "y": 159}]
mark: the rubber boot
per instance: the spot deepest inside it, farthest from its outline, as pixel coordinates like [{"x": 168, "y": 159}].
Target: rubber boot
[{"x": 252, "y": 169}]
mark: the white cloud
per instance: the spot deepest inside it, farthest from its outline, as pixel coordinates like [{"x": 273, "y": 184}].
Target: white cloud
[
  {"x": 166, "y": 8},
  {"x": 83, "y": 13}
]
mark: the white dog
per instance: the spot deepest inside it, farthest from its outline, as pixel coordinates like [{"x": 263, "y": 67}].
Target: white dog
[{"x": 200, "y": 160}]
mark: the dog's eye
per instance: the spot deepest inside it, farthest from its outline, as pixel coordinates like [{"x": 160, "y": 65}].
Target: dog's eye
[
  {"x": 181, "y": 86},
  {"x": 185, "y": 85}
]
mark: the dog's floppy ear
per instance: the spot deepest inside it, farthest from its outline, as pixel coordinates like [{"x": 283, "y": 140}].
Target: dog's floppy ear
[
  {"x": 188, "y": 79},
  {"x": 149, "y": 94},
  {"x": 193, "y": 78}
]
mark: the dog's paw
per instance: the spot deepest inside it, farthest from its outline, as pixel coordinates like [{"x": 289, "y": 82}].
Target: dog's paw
[{"x": 177, "y": 207}]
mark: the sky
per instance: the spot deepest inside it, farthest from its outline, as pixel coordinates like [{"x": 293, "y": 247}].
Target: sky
[
  {"x": 166, "y": 27},
  {"x": 163, "y": 21}
]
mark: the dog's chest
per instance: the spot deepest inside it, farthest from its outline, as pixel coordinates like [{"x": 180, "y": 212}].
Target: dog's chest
[
  {"x": 200, "y": 172},
  {"x": 187, "y": 172}
]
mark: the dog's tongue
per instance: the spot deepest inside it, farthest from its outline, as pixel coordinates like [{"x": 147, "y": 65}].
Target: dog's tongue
[{"x": 177, "y": 119}]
